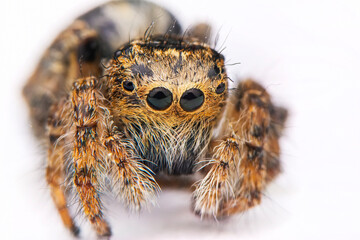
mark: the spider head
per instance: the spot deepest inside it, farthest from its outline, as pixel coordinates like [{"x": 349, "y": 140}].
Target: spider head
[{"x": 167, "y": 80}]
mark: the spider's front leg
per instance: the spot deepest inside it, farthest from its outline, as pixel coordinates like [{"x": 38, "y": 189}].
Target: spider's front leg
[
  {"x": 97, "y": 141},
  {"x": 88, "y": 152},
  {"x": 246, "y": 158},
  {"x": 136, "y": 185}
]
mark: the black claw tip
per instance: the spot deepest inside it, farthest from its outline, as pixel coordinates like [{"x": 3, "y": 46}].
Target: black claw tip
[{"x": 75, "y": 231}]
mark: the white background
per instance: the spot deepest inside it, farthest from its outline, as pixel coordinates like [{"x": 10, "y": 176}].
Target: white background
[{"x": 306, "y": 53}]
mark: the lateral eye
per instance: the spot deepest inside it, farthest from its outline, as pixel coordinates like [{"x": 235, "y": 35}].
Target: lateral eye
[
  {"x": 220, "y": 88},
  {"x": 129, "y": 86},
  {"x": 159, "y": 98}
]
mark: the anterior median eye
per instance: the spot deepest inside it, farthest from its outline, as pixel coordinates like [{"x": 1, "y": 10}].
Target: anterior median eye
[
  {"x": 159, "y": 98},
  {"x": 192, "y": 99}
]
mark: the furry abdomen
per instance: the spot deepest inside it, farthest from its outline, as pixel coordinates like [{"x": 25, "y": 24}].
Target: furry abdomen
[{"x": 173, "y": 151}]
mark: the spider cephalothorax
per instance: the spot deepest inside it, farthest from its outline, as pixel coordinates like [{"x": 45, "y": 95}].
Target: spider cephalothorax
[
  {"x": 167, "y": 94},
  {"x": 149, "y": 109}
]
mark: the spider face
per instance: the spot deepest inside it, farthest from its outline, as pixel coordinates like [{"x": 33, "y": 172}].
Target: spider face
[
  {"x": 181, "y": 80},
  {"x": 161, "y": 90}
]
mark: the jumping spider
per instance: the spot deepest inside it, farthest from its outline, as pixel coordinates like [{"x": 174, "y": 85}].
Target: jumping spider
[{"x": 149, "y": 107}]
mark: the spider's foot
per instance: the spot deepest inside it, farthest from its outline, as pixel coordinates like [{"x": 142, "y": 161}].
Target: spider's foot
[
  {"x": 75, "y": 230},
  {"x": 240, "y": 204}
]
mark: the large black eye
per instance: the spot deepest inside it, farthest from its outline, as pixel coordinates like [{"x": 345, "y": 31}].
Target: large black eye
[
  {"x": 192, "y": 99},
  {"x": 159, "y": 98},
  {"x": 220, "y": 88},
  {"x": 128, "y": 85}
]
